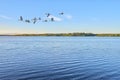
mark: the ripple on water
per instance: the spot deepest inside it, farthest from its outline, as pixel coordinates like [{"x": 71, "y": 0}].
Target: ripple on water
[{"x": 59, "y": 58}]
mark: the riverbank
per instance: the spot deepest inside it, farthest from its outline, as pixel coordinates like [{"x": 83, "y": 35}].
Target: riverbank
[{"x": 66, "y": 34}]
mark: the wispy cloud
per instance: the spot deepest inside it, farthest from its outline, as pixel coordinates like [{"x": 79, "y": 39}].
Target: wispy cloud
[
  {"x": 68, "y": 16},
  {"x": 55, "y": 18},
  {"x": 5, "y": 17}
]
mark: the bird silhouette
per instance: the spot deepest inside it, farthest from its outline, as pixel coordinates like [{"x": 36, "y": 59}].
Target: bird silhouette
[
  {"x": 39, "y": 18},
  {"x": 34, "y": 20},
  {"x": 27, "y": 21},
  {"x": 48, "y": 14},
  {"x": 45, "y": 21},
  {"x": 61, "y": 13},
  {"x": 52, "y": 19},
  {"x": 21, "y": 18}
]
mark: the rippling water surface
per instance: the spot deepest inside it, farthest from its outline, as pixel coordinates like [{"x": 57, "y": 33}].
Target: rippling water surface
[{"x": 59, "y": 58}]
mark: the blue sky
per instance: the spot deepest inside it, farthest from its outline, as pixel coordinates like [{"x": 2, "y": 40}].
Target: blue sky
[{"x": 96, "y": 16}]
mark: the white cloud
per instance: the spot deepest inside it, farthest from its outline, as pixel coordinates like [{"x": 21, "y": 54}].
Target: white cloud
[
  {"x": 55, "y": 18},
  {"x": 4, "y": 17}
]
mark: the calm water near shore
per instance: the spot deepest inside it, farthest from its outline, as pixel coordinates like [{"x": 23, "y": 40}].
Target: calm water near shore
[{"x": 59, "y": 58}]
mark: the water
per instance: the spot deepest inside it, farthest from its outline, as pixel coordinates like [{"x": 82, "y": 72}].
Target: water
[{"x": 59, "y": 58}]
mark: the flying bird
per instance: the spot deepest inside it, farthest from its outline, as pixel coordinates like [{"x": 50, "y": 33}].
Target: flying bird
[
  {"x": 61, "y": 13},
  {"x": 39, "y": 18},
  {"x": 34, "y": 20},
  {"x": 45, "y": 21},
  {"x": 48, "y": 14},
  {"x": 28, "y": 21},
  {"x": 49, "y": 17},
  {"x": 21, "y": 18},
  {"x": 52, "y": 19}
]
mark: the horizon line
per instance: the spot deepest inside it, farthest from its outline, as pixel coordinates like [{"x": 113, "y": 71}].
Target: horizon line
[{"x": 58, "y": 33}]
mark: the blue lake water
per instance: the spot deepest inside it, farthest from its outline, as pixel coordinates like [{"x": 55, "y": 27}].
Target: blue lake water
[{"x": 59, "y": 58}]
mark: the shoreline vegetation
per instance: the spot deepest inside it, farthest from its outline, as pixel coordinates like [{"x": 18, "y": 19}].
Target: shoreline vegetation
[{"x": 67, "y": 34}]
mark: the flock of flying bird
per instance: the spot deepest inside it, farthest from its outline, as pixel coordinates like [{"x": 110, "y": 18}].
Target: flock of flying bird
[{"x": 34, "y": 20}]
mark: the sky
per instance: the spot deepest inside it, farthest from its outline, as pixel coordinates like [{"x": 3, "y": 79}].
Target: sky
[{"x": 91, "y": 16}]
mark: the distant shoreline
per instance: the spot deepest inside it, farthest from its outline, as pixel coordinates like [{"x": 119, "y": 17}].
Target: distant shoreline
[{"x": 67, "y": 34}]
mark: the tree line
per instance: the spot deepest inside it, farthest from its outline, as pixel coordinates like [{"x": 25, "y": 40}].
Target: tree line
[{"x": 69, "y": 34}]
